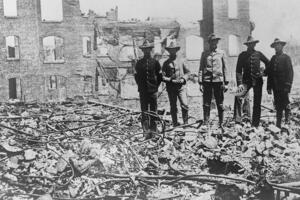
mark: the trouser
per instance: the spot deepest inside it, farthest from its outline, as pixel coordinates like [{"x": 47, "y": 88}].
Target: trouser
[
  {"x": 257, "y": 95},
  {"x": 181, "y": 94},
  {"x": 148, "y": 100},
  {"x": 281, "y": 101},
  {"x": 217, "y": 90},
  {"x": 241, "y": 107}
]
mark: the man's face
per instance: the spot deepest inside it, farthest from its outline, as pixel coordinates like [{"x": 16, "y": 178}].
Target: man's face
[
  {"x": 278, "y": 47},
  {"x": 251, "y": 45},
  {"x": 172, "y": 53},
  {"x": 213, "y": 44},
  {"x": 147, "y": 51}
]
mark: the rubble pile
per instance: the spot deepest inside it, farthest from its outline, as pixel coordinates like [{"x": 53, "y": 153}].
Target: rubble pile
[{"x": 80, "y": 150}]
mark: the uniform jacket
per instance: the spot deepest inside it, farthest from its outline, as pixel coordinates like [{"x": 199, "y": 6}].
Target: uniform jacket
[
  {"x": 175, "y": 69},
  {"x": 248, "y": 66},
  {"x": 148, "y": 75},
  {"x": 280, "y": 73},
  {"x": 212, "y": 67}
]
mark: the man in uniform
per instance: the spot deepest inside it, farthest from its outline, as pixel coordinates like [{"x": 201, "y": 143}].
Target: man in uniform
[
  {"x": 280, "y": 80},
  {"x": 212, "y": 78},
  {"x": 148, "y": 78},
  {"x": 175, "y": 74},
  {"x": 250, "y": 74}
]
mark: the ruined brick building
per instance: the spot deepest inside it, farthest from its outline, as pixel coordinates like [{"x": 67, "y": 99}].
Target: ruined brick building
[{"x": 45, "y": 59}]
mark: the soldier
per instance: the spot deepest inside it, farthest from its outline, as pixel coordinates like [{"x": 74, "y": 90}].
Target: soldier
[
  {"x": 212, "y": 78},
  {"x": 148, "y": 78},
  {"x": 175, "y": 74},
  {"x": 249, "y": 73},
  {"x": 280, "y": 80}
]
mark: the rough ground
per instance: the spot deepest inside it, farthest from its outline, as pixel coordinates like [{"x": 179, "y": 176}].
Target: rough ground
[{"x": 80, "y": 150}]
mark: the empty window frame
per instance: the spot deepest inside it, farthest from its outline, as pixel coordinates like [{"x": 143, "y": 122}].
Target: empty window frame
[
  {"x": 53, "y": 49},
  {"x": 86, "y": 46},
  {"x": 194, "y": 47},
  {"x": 102, "y": 47},
  {"x": 52, "y": 10},
  {"x": 12, "y": 47},
  {"x": 53, "y": 82},
  {"x": 157, "y": 45},
  {"x": 10, "y": 8},
  {"x": 233, "y": 45},
  {"x": 232, "y": 9}
]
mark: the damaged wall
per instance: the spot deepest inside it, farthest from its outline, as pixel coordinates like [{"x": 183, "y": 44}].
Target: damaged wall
[{"x": 32, "y": 68}]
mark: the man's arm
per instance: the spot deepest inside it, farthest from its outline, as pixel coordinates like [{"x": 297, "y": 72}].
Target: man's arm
[
  {"x": 224, "y": 68},
  {"x": 158, "y": 72},
  {"x": 201, "y": 68},
  {"x": 290, "y": 74},
  {"x": 186, "y": 71},
  {"x": 239, "y": 70},
  {"x": 266, "y": 61},
  {"x": 136, "y": 73},
  {"x": 270, "y": 76}
]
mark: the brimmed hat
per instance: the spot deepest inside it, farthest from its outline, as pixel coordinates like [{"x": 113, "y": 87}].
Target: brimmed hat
[
  {"x": 241, "y": 90},
  {"x": 250, "y": 40},
  {"x": 212, "y": 37},
  {"x": 146, "y": 44},
  {"x": 277, "y": 41},
  {"x": 172, "y": 45}
]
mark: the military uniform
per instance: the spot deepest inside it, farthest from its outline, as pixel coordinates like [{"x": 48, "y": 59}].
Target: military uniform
[
  {"x": 148, "y": 78},
  {"x": 212, "y": 75},
  {"x": 248, "y": 71},
  {"x": 176, "y": 70},
  {"x": 280, "y": 79}
]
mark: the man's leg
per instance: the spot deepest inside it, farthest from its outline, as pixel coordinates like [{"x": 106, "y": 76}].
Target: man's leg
[
  {"x": 257, "y": 90},
  {"x": 184, "y": 104},
  {"x": 173, "y": 106},
  {"x": 278, "y": 107},
  {"x": 246, "y": 110},
  {"x": 219, "y": 96},
  {"x": 287, "y": 108},
  {"x": 144, "y": 108},
  {"x": 207, "y": 96},
  {"x": 153, "y": 109},
  {"x": 237, "y": 115}
]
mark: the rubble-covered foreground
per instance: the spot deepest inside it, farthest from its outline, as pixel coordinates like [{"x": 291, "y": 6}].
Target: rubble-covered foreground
[{"x": 79, "y": 150}]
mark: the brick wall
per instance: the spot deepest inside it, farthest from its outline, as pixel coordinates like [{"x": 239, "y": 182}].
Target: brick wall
[
  {"x": 25, "y": 27},
  {"x": 33, "y": 74}
]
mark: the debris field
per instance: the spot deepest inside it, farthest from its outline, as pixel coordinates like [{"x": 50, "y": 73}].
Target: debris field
[{"x": 88, "y": 150}]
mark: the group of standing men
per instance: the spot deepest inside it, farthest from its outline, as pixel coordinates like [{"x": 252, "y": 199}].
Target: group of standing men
[{"x": 212, "y": 79}]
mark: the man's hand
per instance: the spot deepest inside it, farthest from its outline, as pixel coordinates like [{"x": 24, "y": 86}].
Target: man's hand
[
  {"x": 201, "y": 88},
  {"x": 224, "y": 87},
  {"x": 178, "y": 81},
  {"x": 269, "y": 91},
  {"x": 286, "y": 90},
  {"x": 166, "y": 79}
]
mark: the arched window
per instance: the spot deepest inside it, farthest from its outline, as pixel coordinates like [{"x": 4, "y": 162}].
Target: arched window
[
  {"x": 12, "y": 47},
  {"x": 233, "y": 45},
  {"x": 10, "y": 8},
  {"x": 232, "y": 9},
  {"x": 194, "y": 47},
  {"x": 52, "y": 10},
  {"x": 53, "y": 49}
]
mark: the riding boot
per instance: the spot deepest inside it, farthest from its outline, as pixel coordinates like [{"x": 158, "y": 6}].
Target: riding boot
[
  {"x": 174, "y": 119},
  {"x": 287, "y": 113},
  {"x": 221, "y": 116},
  {"x": 185, "y": 115},
  {"x": 278, "y": 118},
  {"x": 206, "y": 114}
]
